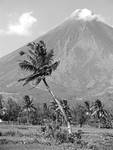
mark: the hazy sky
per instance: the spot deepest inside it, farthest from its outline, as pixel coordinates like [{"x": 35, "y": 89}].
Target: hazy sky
[{"x": 24, "y": 20}]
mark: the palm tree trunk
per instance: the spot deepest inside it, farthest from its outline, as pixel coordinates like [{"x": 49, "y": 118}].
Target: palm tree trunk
[{"x": 59, "y": 105}]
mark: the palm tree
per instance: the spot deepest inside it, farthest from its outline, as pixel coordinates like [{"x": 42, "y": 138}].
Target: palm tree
[
  {"x": 3, "y": 109},
  {"x": 87, "y": 106},
  {"x": 28, "y": 106},
  {"x": 87, "y": 110},
  {"x": 101, "y": 113},
  {"x": 40, "y": 64}
]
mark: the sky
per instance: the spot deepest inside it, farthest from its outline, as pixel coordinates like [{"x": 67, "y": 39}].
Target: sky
[{"x": 25, "y": 20}]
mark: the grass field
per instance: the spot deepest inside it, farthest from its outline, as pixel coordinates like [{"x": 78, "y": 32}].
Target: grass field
[{"x": 21, "y": 137}]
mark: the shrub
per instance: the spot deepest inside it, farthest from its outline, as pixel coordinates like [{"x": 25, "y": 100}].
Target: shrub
[
  {"x": 10, "y": 133},
  {"x": 61, "y": 137},
  {"x": 3, "y": 141}
]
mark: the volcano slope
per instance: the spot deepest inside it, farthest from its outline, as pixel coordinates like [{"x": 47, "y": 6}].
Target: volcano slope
[{"x": 85, "y": 50}]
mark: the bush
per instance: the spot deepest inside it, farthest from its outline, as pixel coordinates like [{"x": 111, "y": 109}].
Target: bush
[
  {"x": 61, "y": 137},
  {"x": 3, "y": 141},
  {"x": 10, "y": 133}
]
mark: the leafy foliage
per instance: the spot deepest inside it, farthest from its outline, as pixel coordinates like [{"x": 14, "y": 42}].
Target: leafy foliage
[
  {"x": 12, "y": 110},
  {"x": 28, "y": 107},
  {"x": 39, "y": 63}
]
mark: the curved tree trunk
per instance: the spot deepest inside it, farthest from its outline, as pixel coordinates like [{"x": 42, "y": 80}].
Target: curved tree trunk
[{"x": 59, "y": 105}]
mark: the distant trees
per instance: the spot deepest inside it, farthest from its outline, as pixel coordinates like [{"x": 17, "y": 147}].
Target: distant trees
[
  {"x": 40, "y": 64},
  {"x": 30, "y": 112},
  {"x": 12, "y": 110},
  {"x": 80, "y": 114},
  {"x": 1, "y": 106},
  {"x": 102, "y": 114},
  {"x": 28, "y": 107}
]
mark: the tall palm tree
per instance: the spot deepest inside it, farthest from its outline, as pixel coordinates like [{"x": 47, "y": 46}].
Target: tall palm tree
[
  {"x": 28, "y": 106},
  {"x": 40, "y": 64}
]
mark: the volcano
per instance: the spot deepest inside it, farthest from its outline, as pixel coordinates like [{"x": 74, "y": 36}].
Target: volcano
[{"x": 84, "y": 45}]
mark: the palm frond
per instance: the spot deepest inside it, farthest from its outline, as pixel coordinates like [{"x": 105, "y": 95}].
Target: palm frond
[
  {"x": 106, "y": 114},
  {"x": 94, "y": 113},
  {"x": 32, "y": 106},
  {"x": 22, "y": 79},
  {"x": 30, "y": 78},
  {"x": 87, "y": 105},
  {"x": 49, "y": 57},
  {"x": 32, "y": 60},
  {"x": 98, "y": 103},
  {"x": 55, "y": 65},
  {"x": 37, "y": 81},
  {"x": 33, "y": 53},
  {"x": 37, "y": 58},
  {"x": 31, "y": 45},
  {"x": 26, "y": 65}
]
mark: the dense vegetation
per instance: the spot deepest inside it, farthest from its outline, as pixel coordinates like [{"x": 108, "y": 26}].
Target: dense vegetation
[{"x": 85, "y": 113}]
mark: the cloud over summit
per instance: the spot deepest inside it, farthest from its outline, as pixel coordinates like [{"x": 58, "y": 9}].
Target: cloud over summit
[{"x": 86, "y": 15}]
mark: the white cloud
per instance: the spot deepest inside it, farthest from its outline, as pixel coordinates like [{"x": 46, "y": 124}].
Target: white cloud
[
  {"x": 86, "y": 15},
  {"x": 22, "y": 26}
]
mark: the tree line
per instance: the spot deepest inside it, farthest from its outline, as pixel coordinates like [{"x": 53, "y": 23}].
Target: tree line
[{"x": 85, "y": 113}]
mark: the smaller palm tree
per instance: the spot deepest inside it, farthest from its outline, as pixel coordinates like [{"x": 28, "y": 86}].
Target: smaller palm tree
[
  {"x": 101, "y": 113},
  {"x": 28, "y": 107},
  {"x": 87, "y": 110},
  {"x": 87, "y": 106},
  {"x": 3, "y": 109}
]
